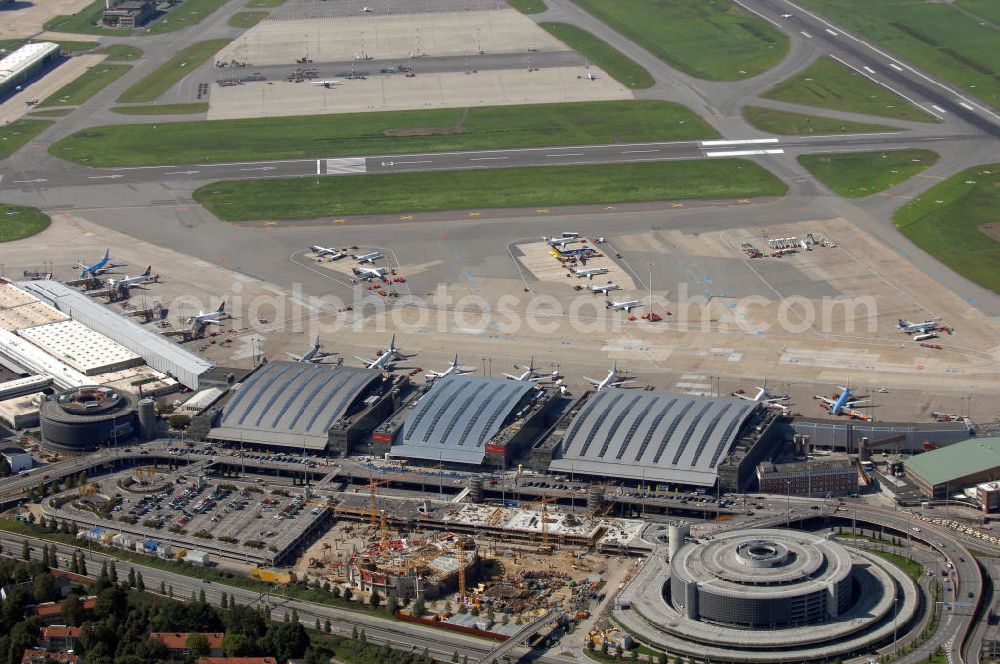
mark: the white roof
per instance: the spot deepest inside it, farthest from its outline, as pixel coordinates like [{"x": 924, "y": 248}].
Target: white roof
[
  {"x": 25, "y": 57},
  {"x": 19, "y": 309},
  {"x": 35, "y": 359},
  {"x": 80, "y": 347}
]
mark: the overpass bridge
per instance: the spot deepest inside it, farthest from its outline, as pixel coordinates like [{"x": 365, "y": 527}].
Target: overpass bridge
[{"x": 503, "y": 650}]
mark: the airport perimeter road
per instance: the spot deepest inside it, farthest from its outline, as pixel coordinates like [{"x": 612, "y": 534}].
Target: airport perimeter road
[
  {"x": 52, "y": 172},
  {"x": 403, "y": 636}
]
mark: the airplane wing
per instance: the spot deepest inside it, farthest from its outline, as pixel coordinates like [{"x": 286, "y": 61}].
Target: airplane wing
[
  {"x": 592, "y": 381},
  {"x": 295, "y": 357},
  {"x": 211, "y": 321},
  {"x": 623, "y": 382},
  {"x": 507, "y": 375},
  {"x": 851, "y": 404},
  {"x": 367, "y": 360},
  {"x": 826, "y": 400}
]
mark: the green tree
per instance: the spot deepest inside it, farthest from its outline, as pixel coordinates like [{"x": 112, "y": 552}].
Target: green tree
[
  {"x": 391, "y": 605},
  {"x": 25, "y": 551},
  {"x": 83, "y": 565},
  {"x": 54, "y": 558},
  {"x": 198, "y": 645},
  {"x": 418, "y": 609},
  {"x": 163, "y": 588},
  {"x": 44, "y": 587},
  {"x": 140, "y": 585},
  {"x": 113, "y": 572},
  {"x": 45, "y": 555},
  {"x": 348, "y": 593},
  {"x": 327, "y": 626},
  {"x": 375, "y": 599},
  {"x": 131, "y": 577},
  {"x": 170, "y": 590},
  {"x": 201, "y": 595},
  {"x": 72, "y": 610}
]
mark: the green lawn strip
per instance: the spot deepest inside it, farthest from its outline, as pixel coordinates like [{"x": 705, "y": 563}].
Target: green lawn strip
[
  {"x": 18, "y": 222},
  {"x": 353, "y": 134},
  {"x": 183, "y": 15},
  {"x": 711, "y": 40},
  {"x": 828, "y": 84},
  {"x": 246, "y": 19},
  {"x": 18, "y": 133},
  {"x": 172, "y": 71},
  {"x": 528, "y": 6},
  {"x": 52, "y": 113},
  {"x": 264, "y": 4},
  {"x": 87, "y": 85},
  {"x": 935, "y": 37},
  {"x": 987, "y": 9},
  {"x": 912, "y": 568},
  {"x": 294, "y": 591},
  {"x": 949, "y": 221},
  {"x": 788, "y": 123},
  {"x": 121, "y": 53},
  {"x": 513, "y": 187},
  {"x": 618, "y": 65},
  {"x": 84, "y": 21},
  {"x": 859, "y": 174},
  {"x": 163, "y": 109}
]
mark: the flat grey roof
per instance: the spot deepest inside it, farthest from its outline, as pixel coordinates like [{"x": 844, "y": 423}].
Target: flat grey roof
[
  {"x": 292, "y": 403},
  {"x": 457, "y": 417},
  {"x": 655, "y": 436}
]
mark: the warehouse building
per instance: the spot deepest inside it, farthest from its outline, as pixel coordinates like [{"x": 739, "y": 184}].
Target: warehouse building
[
  {"x": 676, "y": 439},
  {"x": 80, "y": 347},
  {"x": 156, "y": 350},
  {"x": 129, "y": 14},
  {"x": 940, "y": 473},
  {"x": 25, "y": 65},
  {"x": 301, "y": 405},
  {"x": 468, "y": 421}
]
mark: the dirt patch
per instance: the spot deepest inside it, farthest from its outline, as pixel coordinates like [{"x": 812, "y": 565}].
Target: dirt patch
[
  {"x": 425, "y": 131},
  {"x": 991, "y": 230}
]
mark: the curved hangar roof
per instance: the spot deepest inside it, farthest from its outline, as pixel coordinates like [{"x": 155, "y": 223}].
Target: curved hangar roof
[
  {"x": 655, "y": 436},
  {"x": 292, "y": 403},
  {"x": 457, "y": 417}
]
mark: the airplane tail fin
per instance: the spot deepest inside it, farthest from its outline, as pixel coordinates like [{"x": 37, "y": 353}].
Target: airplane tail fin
[
  {"x": 902, "y": 323},
  {"x": 148, "y": 272},
  {"x": 222, "y": 307},
  {"x": 107, "y": 254},
  {"x": 607, "y": 304}
]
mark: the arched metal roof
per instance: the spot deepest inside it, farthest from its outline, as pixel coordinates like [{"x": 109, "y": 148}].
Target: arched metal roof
[
  {"x": 656, "y": 436},
  {"x": 457, "y": 417},
  {"x": 292, "y": 403}
]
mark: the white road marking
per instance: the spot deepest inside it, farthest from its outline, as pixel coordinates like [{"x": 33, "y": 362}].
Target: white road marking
[
  {"x": 259, "y": 168},
  {"x": 488, "y": 158},
  {"x": 886, "y": 86},
  {"x": 105, "y": 177},
  {"x": 422, "y": 161},
  {"x": 938, "y": 108},
  {"x": 895, "y": 66},
  {"x": 742, "y": 141},
  {"x": 637, "y": 151},
  {"x": 182, "y": 172},
  {"x": 966, "y": 106},
  {"x": 318, "y": 162},
  {"x": 832, "y": 32},
  {"x": 566, "y": 154},
  {"x": 346, "y": 165},
  {"x": 806, "y": 34},
  {"x": 869, "y": 70},
  {"x": 743, "y": 153},
  {"x": 29, "y": 181}
]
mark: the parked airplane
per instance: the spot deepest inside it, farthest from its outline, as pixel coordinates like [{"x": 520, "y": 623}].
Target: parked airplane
[
  {"x": 843, "y": 405},
  {"x": 603, "y": 289},
  {"x": 925, "y": 337},
  {"x": 590, "y": 76},
  {"x": 589, "y": 272},
  {"x": 910, "y": 328},
  {"x": 764, "y": 397},
  {"x": 137, "y": 280},
  {"x": 202, "y": 320},
  {"x": 628, "y": 306},
  {"x": 369, "y": 273},
  {"x": 561, "y": 242},
  {"x": 366, "y": 10},
  {"x": 331, "y": 252},
  {"x": 97, "y": 267},
  {"x": 385, "y": 360},
  {"x": 313, "y": 355},
  {"x": 611, "y": 380},
  {"x": 367, "y": 258},
  {"x": 327, "y": 84},
  {"x": 581, "y": 252},
  {"x": 454, "y": 369},
  {"x": 530, "y": 375}
]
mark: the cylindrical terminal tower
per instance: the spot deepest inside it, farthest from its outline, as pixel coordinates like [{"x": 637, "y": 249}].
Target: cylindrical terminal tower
[
  {"x": 677, "y": 533},
  {"x": 147, "y": 418}
]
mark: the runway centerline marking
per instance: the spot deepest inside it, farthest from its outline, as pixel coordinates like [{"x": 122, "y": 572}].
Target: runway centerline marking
[
  {"x": 487, "y": 158},
  {"x": 566, "y": 154},
  {"x": 637, "y": 151}
]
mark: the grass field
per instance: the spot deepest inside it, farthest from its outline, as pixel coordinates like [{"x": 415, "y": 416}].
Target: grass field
[
  {"x": 163, "y": 109},
  {"x": 187, "y": 13},
  {"x": 247, "y": 19},
  {"x": 711, "y": 40},
  {"x": 121, "y": 53},
  {"x": 382, "y": 133},
  {"x": 618, "y": 65},
  {"x": 787, "y": 123},
  {"x": 172, "y": 71},
  {"x": 18, "y": 133},
  {"x": 859, "y": 174},
  {"x": 958, "y": 222},
  {"x": 933, "y": 36},
  {"x": 912, "y": 568},
  {"x": 52, "y": 113},
  {"x": 18, "y": 222},
  {"x": 828, "y": 84},
  {"x": 987, "y": 9},
  {"x": 514, "y": 187},
  {"x": 83, "y": 22},
  {"x": 87, "y": 85},
  {"x": 528, "y": 6}
]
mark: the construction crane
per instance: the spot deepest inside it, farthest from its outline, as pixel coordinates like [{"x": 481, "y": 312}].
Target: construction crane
[
  {"x": 373, "y": 485},
  {"x": 545, "y": 519},
  {"x": 384, "y": 528}
]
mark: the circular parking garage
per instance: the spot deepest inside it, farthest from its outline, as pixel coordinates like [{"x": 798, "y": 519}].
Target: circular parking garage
[{"x": 82, "y": 419}]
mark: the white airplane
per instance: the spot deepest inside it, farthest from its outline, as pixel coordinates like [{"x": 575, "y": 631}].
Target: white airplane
[
  {"x": 922, "y": 328},
  {"x": 366, "y": 10},
  {"x": 842, "y": 405},
  {"x": 611, "y": 380},
  {"x": 367, "y": 258},
  {"x": 604, "y": 289},
  {"x": 628, "y": 306},
  {"x": 561, "y": 241},
  {"x": 589, "y": 272},
  {"x": 97, "y": 267},
  {"x": 530, "y": 375},
  {"x": 385, "y": 360},
  {"x": 590, "y": 76},
  {"x": 454, "y": 369},
  {"x": 332, "y": 253},
  {"x": 327, "y": 84},
  {"x": 313, "y": 355},
  {"x": 764, "y": 397},
  {"x": 202, "y": 320},
  {"x": 138, "y": 280},
  {"x": 369, "y": 273}
]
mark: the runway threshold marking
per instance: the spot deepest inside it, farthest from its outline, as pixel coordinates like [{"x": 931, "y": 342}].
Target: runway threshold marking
[
  {"x": 741, "y": 141},
  {"x": 969, "y": 107},
  {"x": 895, "y": 66},
  {"x": 806, "y": 34},
  {"x": 938, "y": 108},
  {"x": 488, "y": 158},
  {"x": 868, "y": 69},
  {"x": 835, "y": 34},
  {"x": 743, "y": 153}
]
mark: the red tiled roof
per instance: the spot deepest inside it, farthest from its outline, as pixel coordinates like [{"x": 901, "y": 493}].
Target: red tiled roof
[
  {"x": 55, "y": 608},
  {"x": 237, "y": 660},
  {"x": 178, "y": 640},
  {"x": 42, "y": 655},
  {"x": 60, "y": 632}
]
